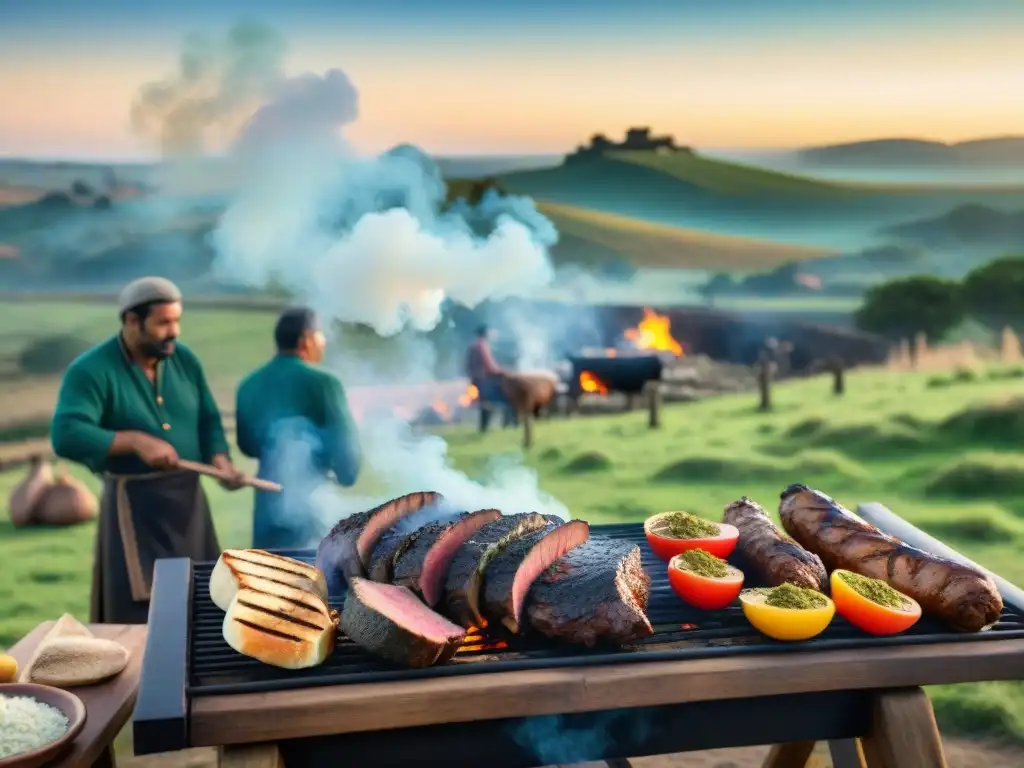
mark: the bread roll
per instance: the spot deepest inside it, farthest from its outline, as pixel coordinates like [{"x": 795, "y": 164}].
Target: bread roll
[
  {"x": 255, "y": 568},
  {"x": 66, "y": 662},
  {"x": 281, "y": 626}
]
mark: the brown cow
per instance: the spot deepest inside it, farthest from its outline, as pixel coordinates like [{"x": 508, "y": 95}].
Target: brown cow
[{"x": 529, "y": 394}]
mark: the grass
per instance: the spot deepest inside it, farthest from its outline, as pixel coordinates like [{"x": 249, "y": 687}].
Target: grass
[
  {"x": 938, "y": 457},
  {"x": 649, "y": 244},
  {"x": 729, "y": 178}
]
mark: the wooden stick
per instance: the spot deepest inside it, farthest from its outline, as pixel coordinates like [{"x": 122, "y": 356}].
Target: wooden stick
[{"x": 211, "y": 471}]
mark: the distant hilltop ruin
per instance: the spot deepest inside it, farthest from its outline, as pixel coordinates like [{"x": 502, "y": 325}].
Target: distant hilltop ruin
[{"x": 636, "y": 139}]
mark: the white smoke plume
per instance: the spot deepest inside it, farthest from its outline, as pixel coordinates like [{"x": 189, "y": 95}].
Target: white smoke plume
[{"x": 358, "y": 239}]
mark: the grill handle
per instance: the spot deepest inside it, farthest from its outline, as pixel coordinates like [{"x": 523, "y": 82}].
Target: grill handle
[{"x": 888, "y": 521}]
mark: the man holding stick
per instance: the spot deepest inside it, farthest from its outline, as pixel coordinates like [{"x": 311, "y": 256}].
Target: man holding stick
[{"x": 130, "y": 409}]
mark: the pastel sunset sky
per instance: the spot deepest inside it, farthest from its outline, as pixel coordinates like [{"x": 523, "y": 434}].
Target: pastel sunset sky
[{"x": 538, "y": 76}]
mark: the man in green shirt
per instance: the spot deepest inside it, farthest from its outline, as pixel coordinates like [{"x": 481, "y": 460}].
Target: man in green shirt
[
  {"x": 128, "y": 409},
  {"x": 293, "y": 416}
]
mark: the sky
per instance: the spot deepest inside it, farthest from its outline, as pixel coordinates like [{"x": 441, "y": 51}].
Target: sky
[{"x": 466, "y": 77}]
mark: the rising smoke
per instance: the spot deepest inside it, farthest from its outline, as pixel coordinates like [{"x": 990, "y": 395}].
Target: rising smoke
[{"x": 365, "y": 240}]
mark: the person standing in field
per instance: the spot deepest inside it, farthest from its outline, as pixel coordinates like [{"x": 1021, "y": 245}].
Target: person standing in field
[
  {"x": 485, "y": 374},
  {"x": 128, "y": 409},
  {"x": 293, "y": 417}
]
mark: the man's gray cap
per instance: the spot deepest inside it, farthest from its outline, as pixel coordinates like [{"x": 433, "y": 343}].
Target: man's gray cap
[{"x": 147, "y": 289}]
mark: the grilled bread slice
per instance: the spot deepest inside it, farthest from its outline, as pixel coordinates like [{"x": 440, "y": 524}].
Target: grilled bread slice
[
  {"x": 237, "y": 568},
  {"x": 281, "y": 626}
]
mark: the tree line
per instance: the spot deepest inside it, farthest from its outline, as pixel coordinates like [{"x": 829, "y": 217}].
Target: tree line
[{"x": 992, "y": 294}]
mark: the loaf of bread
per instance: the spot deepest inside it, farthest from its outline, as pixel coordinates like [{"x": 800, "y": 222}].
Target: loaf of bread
[
  {"x": 256, "y": 569},
  {"x": 280, "y": 625}
]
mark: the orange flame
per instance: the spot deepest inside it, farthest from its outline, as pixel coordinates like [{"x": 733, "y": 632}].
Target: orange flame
[
  {"x": 590, "y": 383},
  {"x": 654, "y": 332},
  {"x": 441, "y": 409},
  {"x": 469, "y": 396}
]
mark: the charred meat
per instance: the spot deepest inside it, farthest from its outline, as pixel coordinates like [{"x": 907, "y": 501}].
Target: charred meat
[
  {"x": 345, "y": 551},
  {"x": 392, "y": 623},
  {"x": 769, "y": 553},
  {"x": 960, "y": 595},
  {"x": 509, "y": 574},
  {"x": 598, "y": 592},
  {"x": 465, "y": 575}
]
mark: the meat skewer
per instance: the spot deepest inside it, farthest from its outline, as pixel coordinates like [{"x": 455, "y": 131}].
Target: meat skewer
[
  {"x": 960, "y": 595},
  {"x": 766, "y": 550}
]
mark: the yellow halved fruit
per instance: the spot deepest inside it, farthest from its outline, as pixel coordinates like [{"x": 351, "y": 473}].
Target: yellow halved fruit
[
  {"x": 785, "y": 623},
  {"x": 8, "y": 669}
]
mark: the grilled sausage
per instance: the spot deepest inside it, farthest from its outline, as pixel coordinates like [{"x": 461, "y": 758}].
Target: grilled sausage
[
  {"x": 775, "y": 557},
  {"x": 964, "y": 597}
]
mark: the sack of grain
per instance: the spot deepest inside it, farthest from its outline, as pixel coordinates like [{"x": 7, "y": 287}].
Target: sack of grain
[
  {"x": 67, "y": 502},
  {"x": 26, "y": 496}
]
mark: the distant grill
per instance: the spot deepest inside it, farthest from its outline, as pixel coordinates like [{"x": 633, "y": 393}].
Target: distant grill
[
  {"x": 680, "y": 631},
  {"x": 627, "y": 374}
]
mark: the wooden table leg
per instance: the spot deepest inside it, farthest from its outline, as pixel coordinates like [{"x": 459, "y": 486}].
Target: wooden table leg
[
  {"x": 847, "y": 753},
  {"x": 792, "y": 755},
  {"x": 105, "y": 758},
  {"x": 265, "y": 755},
  {"x": 903, "y": 732}
]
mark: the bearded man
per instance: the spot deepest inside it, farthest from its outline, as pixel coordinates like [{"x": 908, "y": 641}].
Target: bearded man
[{"x": 129, "y": 409}]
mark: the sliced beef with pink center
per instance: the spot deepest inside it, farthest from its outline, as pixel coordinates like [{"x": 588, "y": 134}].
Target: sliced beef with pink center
[
  {"x": 345, "y": 551},
  {"x": 510, "y": 573},
  {"x": 396, "y": 541},
  {"x": 598, "y": 592},
  {"x": 423, "y": 565},
  {"x": 462, "y": 584},
  {"x": 392, "y": 623}
]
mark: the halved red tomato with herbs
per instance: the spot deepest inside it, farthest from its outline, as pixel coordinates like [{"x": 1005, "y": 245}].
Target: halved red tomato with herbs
[
  {"x": 672, "y": 533},
  {"x": 872, "y": 605},
  {"x": 709, "y": 593}
]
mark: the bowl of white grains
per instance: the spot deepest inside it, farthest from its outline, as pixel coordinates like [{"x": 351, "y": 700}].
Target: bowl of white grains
[{"x": 37, "y": 723}]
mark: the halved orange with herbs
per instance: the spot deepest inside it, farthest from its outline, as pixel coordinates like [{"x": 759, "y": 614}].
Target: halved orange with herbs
[{"x": 871, "y": 605}]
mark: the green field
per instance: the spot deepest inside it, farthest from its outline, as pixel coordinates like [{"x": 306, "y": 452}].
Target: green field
[
  {"x": 943, "y": 451},
  {"x": 584, "y": 231}
]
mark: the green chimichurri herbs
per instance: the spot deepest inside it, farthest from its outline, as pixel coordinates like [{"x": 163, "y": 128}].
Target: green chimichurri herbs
[
  {"x": 875, "y": 590},
  {"x": 683, "y": 525},
  {"x": 703, "y": 564}
]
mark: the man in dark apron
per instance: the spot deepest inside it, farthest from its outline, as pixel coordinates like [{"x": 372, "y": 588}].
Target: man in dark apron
[
  {"x": 128, "y": 409},
  {"x": 293, "y": 416}
]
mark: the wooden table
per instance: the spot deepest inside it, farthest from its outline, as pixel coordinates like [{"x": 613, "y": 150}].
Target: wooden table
[
  {"x": 108, "y": 705},
  {"x": 881, "y": 686}
]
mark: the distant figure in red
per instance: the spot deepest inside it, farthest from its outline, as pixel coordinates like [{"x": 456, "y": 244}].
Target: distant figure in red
[{"x": 484, "y": 374}]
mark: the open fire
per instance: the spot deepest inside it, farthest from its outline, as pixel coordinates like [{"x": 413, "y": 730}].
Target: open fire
[{"x": 652, "y": 334}]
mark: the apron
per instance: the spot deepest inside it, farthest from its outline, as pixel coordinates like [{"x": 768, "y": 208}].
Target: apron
[{"x": 143, "y": 518}]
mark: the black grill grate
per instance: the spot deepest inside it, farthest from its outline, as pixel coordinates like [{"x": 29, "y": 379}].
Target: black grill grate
[{"x": 680, "y": 632}]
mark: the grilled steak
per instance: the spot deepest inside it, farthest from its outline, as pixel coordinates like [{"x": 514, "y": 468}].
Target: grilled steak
[
  {"x": 964, "y": 597},
  {"x": 464, "y": 579},
  {"x": 597, "y": 592},
  {"x": 408, "y": 562},
  {"x": 390, "y": 622},
  {"x": 345, "y": 551},
  {"x": 395, "y": 541},
  {"x": 510, "y": 572},
  {"x": 439, "y": 557},
  {"x": 769, "y": 553}
]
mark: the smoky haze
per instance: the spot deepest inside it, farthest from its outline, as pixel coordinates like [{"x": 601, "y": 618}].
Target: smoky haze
[{"x": 359, "y": 239}]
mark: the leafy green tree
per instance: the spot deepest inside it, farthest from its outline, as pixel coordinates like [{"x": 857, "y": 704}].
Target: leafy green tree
[
  {"x": 994, "y": 292},
  {"x": 902, "y": 308}
]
